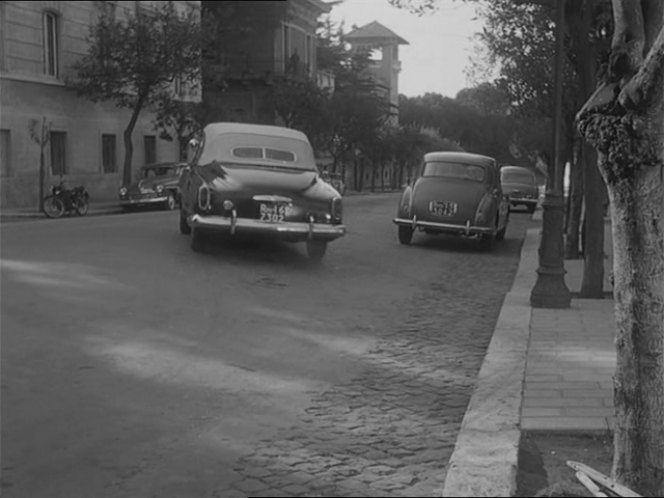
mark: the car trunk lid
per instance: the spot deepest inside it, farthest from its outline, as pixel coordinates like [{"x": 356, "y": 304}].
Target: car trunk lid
[{"x": 465, "y": 194}]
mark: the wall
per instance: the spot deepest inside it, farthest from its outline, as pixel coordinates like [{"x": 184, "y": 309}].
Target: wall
[{"x": 27, "y": 93}]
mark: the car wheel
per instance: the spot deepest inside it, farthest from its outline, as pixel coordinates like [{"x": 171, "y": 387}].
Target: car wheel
[
  {"x": 185, "y": 229},
  {"x": 500, "y": 234},
  {"x": 197, "y": 239},
  {"x": 405, "y": 234},
  {"x": 531, "y": 208},
  {"x": 488, "y": 241},
  {"x": 316, "y": 250},
  {"x": 170, "y": 202}
]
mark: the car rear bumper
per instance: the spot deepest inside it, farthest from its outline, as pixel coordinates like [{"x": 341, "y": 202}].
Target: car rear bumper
[
  {"x": 287, "y": 230},
  {"x": 523, "y": 200},
  {"x": 143, "y": 201},
  {"x": 466, "y": 229}
]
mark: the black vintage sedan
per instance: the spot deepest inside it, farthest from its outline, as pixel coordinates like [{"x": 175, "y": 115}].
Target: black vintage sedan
[
  {"x": 156, "y": 185},
  {"x": 457, "y": 193},
  {"x": 258, "y": 179}
]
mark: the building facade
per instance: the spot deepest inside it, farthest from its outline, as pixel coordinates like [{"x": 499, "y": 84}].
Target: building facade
[
  {"x": 383, "y": 46},
  {"x": 39, "y": 40},
  {"x": 281, "y": 45}
]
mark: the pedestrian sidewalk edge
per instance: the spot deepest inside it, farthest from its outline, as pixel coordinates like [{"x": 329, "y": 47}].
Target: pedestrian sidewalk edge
[{"x": 484, "y": 461}]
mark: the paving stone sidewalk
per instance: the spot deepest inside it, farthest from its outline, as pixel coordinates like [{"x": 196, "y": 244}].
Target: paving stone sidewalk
[{"x": 546, "y": 369}]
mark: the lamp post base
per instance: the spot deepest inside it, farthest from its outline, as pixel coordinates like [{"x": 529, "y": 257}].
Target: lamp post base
[{"x": 550, "y": 290}]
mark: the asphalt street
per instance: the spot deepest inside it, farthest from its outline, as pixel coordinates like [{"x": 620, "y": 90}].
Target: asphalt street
[{"x": 135, "y": 367}]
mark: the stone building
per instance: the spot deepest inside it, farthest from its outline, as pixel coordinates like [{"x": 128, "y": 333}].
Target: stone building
[{"x": 39, "y": 40}]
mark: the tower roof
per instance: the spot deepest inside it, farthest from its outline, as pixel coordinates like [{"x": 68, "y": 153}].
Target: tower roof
[{"x": 374, "y": 32}]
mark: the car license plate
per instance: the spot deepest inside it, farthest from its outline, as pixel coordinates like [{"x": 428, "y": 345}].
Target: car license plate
[
  {"x": 272, "y": 213},
  {"x": 442, "y": 208}
]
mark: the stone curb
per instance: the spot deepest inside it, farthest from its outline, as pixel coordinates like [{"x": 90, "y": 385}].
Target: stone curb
[{"x": 485, "y": 457}]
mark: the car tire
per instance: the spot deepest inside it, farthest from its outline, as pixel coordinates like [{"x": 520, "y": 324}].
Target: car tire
[
  {"x": 531, "y": 208},
  {"x": 197, "y": 240},
  {"x": 316, "y": 250},
  {"x": 405, "y": 234},
  {"x": 488, "y": 242},
  {"x": 185, "y": 229},
  {"x": 500, "y": 234},
  {"x": 170, "y": 202}
]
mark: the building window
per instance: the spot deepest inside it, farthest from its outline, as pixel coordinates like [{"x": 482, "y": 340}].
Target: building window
[
  {"x": 108, "y": 157},
  {"x": 150, "y": 146},
  {"x": 51, "y": 44},
  {"x": 58, "y": 141},
  {"x": 5, "y": 154}
]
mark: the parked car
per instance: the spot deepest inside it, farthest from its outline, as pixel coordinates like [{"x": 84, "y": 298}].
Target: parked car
[
  {"x": 521, "y": 185},
  {"x": 457, "y": 193},
  {"x": 157, "y": 185},
  {"x": 261, "y": 179}
]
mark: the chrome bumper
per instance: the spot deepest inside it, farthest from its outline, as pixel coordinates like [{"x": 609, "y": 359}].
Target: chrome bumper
[
  {"x": 145, "y": 200},
  {"x": 286, "y": 230},
  {"x": 466, "y": 229}
]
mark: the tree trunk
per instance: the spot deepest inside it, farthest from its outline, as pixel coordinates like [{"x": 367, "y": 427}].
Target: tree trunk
[
  {"x": 129, "y": 146},
  {"x": 575, "y": 207},
  {"x": 592, "y": 285},
  {"x": 624, "y": 119}
]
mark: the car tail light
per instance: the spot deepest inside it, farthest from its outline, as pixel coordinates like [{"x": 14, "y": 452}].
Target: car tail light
[
  {"x": 336, "y": 209},
  {"x": 204, "y": 198}
]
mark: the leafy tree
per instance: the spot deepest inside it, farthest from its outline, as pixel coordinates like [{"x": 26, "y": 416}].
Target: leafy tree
[
  {"x": 134, "y": 60},
  {"x": 178, "y": 120}
]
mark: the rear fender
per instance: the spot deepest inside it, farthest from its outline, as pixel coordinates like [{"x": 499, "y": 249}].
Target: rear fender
[{"x": 405, "y": 203}]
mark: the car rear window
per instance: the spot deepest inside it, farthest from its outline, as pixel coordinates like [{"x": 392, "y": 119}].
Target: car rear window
[
  {"x": 264, "y": 153},
  {"x": 516, "y": 177},
  {"x": 459, "y": 171}
]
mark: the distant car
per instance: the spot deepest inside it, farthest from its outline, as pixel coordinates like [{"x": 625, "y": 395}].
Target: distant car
[
  {"x": 457, "y": 193},
  {"x": 521, "y": 185},
  {"x": 259, "y": 179},
  {"x": 157, "y": 185}
]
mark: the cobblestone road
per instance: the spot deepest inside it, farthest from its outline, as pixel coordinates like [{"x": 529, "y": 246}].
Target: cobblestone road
[
  {"x": 391, "y": 430},
  {"x": 239, "y": 371}
]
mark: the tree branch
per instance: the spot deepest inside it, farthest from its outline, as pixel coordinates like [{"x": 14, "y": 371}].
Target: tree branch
[
  {"x": 629, "y": 38},
  {"x": 646, "y": 85}
]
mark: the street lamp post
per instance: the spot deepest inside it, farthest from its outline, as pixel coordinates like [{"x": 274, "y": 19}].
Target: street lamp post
[{"x": 550, "y": 290}]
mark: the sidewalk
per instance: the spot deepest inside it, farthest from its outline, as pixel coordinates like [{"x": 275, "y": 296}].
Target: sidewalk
[
  {"x": 545, "y": 370},
  {"x": 95, "y": 208}
]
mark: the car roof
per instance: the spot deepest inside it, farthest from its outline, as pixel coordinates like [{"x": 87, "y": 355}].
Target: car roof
[
  {"x": 466, "y": 157},
  {"x": 258, "y": 129}
]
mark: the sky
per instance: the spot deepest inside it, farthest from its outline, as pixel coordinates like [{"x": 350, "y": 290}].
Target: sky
[{"x": 439, "y": 43}]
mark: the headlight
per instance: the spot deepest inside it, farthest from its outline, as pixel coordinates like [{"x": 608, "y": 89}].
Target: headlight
[
  {"x": 123, "y": 191},
  {"x": 159, "y": 189}
]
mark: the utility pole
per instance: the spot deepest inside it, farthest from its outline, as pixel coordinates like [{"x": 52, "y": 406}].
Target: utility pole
[{"x": 550, "y": 290}]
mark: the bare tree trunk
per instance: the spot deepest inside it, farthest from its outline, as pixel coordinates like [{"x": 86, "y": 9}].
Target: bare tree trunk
[
  {"x": 129, "y": 146},
  {"x": 624, "y": 119},
  {"x": 592, "y": 285}
]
